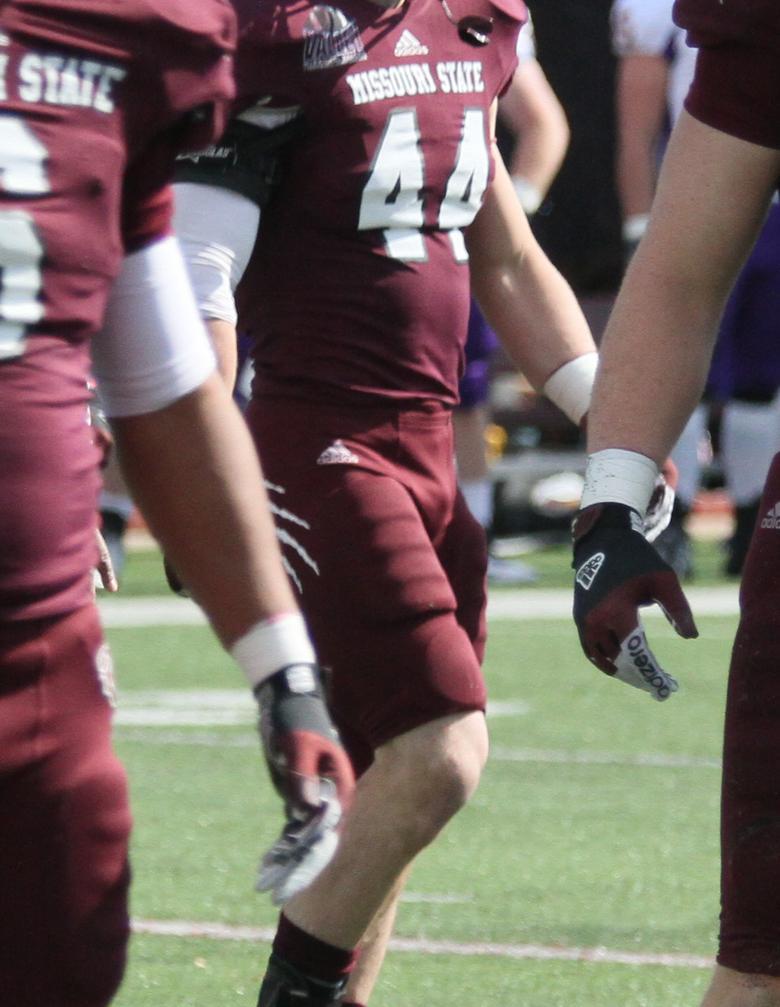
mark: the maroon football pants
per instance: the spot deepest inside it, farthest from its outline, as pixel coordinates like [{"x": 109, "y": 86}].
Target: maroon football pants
[
  {"x": 388, "y": 560},
  {"x": 750, "y": 826},
  {"x": 64, "y": 818}
]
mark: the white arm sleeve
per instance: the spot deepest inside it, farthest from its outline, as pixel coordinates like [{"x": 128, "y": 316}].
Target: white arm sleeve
[
  {"x": 642, "y": 27},
  {"x": 526, "y": 43},
  {"x": 153, "y": 347},
  {"x": 217, "y": 229}
]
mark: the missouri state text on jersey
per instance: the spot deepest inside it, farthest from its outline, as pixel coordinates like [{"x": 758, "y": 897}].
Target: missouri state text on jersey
[
  {"x": 59, "y": 79},
  {"x": 388, "y": 82},
  {"x": 359, "y": 283}
]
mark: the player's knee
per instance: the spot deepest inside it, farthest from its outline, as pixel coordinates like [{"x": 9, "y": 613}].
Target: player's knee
[
  {"x": 467, "y": 751},
  {"x": 436, "y": 769}
]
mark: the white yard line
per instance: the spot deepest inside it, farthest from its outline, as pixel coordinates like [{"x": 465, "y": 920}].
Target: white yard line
[
  {"x": 476, "y": 949},
  {"x": 644, "y": 760},
  {"x": 525, "y": 604}
]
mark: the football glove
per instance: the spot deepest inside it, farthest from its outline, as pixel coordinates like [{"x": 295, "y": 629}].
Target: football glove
[
  {"x": 659, "y": 509},
  {"x": 306, "y": 844},
  {"x": 616, "y": 572},
  {"x": 311, "y": 772}
]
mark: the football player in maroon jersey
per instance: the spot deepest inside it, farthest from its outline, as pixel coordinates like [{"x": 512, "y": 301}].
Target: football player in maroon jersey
[
  {"x": 718, "y": 178},
  {"x": 389, "y": 203},
  {"x": 87, "y": 260}
]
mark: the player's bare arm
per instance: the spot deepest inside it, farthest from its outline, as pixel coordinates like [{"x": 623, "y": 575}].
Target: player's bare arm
[
  {"x": 206, "y": 535},
  {"x": 654, "y": 359},
  {"x": 532, "y": 111},
  {"x": 641, "y": 105},
  {"x": 190, "y": 462},
  {"x": 524, "y": 297},
  {"x": 668, "y": 294}
]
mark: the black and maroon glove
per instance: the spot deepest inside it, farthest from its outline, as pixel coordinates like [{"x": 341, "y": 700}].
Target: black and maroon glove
[{"x": 617, "y": 571}]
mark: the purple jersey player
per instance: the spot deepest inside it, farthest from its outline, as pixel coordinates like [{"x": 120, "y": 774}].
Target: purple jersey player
[
  {"x": 719, "y": 175},
  {"x": 391, "y": 203}
]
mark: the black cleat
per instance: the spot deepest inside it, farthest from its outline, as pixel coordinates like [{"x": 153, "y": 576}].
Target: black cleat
[{"x": 284, "y": 986}]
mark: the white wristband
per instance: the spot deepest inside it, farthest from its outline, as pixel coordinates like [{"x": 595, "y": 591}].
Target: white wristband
[
  {"x": 529, "y": 195},
  {"x": 634, "y": 227},
  {"x": 271, "y": 645},
  {"x": 618, "y": 476},
  {"x": 570, "y": 387}
]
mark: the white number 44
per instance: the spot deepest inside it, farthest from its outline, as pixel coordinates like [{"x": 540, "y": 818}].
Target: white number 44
[{"x": 392, "y": 201}]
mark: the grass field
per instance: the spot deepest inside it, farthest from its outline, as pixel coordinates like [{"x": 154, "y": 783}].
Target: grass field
[{"x": 584, "y": 872}]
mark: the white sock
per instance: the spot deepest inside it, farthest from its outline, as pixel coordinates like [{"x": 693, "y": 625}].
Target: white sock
[
  {"x": 749, "y": 441},
  {"x": 478, "y": 494},
  {"x": 685, "y": 455}
]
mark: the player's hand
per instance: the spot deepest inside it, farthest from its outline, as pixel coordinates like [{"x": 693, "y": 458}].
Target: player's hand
[
  {"x": 616, "y": 572},
  {"x": 104, "y": 575},
  {"x": 307, "y": 842},
  {"x": 311, "y": 772}
]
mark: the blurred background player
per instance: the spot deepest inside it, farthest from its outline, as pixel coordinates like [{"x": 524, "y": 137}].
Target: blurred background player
[
  {"x": 391, "y": 189},
  {"x": 537, "y": 141},
  {"x": 719, "y": 175},
  {"x": 654, "y": 72},
  {"x": 84, "y": 159}
]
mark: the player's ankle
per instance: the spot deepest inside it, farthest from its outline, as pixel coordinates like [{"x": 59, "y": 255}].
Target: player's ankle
[{"x": 303, "y": 969}]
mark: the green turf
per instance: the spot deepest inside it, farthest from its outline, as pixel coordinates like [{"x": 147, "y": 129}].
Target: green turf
[
  {"x": 196, "y": 973},
  {"x": 552, "y": 564},
  {"x": 575, "y": 837},
  {"x": 143, "y": 574}
]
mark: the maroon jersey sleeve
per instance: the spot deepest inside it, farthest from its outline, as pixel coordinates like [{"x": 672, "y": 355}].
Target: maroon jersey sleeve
[{"x": 736, "y": 88}]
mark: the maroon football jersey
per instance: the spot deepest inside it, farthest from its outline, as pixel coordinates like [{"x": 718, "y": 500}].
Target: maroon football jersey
[
  {"x": 359, "y": 284},
  {"x": 737, "y": 84},
  {"x": 96, "y": 98}
]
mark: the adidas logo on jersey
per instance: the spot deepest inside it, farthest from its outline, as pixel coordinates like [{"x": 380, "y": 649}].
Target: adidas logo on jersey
[
  {"x": 587, "y": 572},
  {"x": 409, "y": 45},
  {"x": 338, "y": 454},
  {"x": 772, "y": 520}
]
